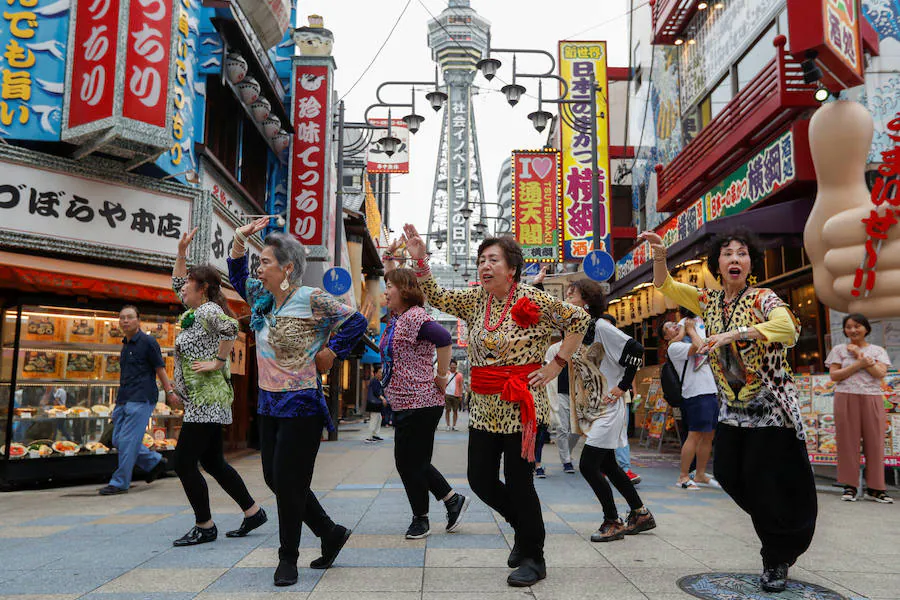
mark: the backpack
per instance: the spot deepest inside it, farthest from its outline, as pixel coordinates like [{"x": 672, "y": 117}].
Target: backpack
[{"x": 671, "y": 383}]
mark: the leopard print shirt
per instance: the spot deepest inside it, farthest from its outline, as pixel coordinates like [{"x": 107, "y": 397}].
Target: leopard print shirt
[{"x": 509, "y": 344}]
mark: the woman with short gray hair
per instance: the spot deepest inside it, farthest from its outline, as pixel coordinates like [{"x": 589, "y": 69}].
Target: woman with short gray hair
[{"x": 299, "y": 331}]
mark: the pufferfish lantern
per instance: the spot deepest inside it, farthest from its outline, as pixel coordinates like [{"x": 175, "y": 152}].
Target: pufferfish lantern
[{"x": 314, "y": 39}]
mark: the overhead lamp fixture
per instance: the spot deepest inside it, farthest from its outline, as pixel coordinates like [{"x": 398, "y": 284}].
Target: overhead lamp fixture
[
  {"x": 439, "y": 241},
  {"x": 679, "y": 42},
  {"x": 513, "y": 92},
  {"x": 455, "y": 267},
  {"x": 811, "y": 71},
  {"x": 702, "y": 6},
  {"x": 480, "y": 227},
  {"x": 488, "y": 67},
  {"x": 466, "y": 212},
  {"x": 540, "y": 118},
  {"x": 412, "y": 120},
  {"x": 389, "y": 143},
  {"x": 821, "y": 94},
  {"x": 436, "y": 97}
]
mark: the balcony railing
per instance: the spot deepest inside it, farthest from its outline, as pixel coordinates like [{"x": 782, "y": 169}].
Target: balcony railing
[
  {"x": 670, "y": 18},
  {"x": 775, "y": 96}
]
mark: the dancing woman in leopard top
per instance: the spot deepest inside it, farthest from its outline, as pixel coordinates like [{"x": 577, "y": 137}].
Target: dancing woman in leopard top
[
  {"x": 761, "y": 459},
  {"x": 510, "y": 325}
]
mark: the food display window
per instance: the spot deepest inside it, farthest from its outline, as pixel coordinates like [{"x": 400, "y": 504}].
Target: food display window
[{"x": 59, "y": 377}]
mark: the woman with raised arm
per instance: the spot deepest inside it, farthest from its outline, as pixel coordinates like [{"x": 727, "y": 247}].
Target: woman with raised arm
[
  {"x": 760, "y": 459},
  {"x": 203, "y": 384},
  {"x": 408, "y": 348},
  {"x": 510, "y": 326},
  {"x": 299, "y": 330}
]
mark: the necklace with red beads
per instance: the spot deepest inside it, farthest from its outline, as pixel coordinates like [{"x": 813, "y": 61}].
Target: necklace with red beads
[{"x": 487, "y": 312}]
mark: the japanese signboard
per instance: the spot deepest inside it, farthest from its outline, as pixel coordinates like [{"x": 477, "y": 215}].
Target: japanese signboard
[
  {"x": 269, "y": 19},
  {"x": 672, "y": 231},
  {"x": 229, "y": 210},
  {"x": 33, "y": 38},
  {"x": 458, "y": 175},
  {"x": 765, "y": 172},
  {"x": 59, "y": 205},
  {"x": 535, "y": 200},
  {"x": 93, "y": 64},
  {"x": 147, "y": 54},
  {"x": 828, "y": 30},
  {"x": 379, "y": 162},
  {"x": 842, "y": 34},
  {"x": 581, "y": 65},
  {"x": 308, "y": 180}
]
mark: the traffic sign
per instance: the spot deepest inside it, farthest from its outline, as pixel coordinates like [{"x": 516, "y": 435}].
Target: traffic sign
[
  {"x": 337, "y": 281},
  {"x": 599, "y": 265}
]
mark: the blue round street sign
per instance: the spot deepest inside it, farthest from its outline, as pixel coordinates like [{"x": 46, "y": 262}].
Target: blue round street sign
[
  {"x": 599, "y": 265},
  {"x": 337, "y": 281}
]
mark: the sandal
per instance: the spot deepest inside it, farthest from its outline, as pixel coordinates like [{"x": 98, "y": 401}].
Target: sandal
[
  {"x": 849, "y": 494},
  {"x": 687, "y": 485},
  {"x": 879, "y": 496}
]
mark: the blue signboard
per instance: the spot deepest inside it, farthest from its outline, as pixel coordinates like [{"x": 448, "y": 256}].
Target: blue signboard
[
  {"x": 33, "y": 39},
  {"x": 599, "y": 265},
  {"x": 337, "y": 281},
  {"x": 532, "y": 269}
]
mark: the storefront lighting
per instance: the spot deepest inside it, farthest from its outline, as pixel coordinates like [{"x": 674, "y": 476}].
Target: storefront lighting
[
  {"x": 702, "y": 6},
  {"x": 821, "y": 94},
  {"x": 719, "y": 5},
  {"x": 691, "y": 42},
  {"x": 679, "y": 42}
]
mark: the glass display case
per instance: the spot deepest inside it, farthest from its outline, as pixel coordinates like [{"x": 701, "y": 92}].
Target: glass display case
[{"x": 59, "y": 377}]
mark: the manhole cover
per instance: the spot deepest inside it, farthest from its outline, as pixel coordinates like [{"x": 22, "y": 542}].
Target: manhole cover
[{"x": 745, "y": 586}]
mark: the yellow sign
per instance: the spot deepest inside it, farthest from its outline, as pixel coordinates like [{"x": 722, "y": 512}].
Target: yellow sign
[
  {"x": 580, "y": 64},
  {"x": 373, "y": 215}
]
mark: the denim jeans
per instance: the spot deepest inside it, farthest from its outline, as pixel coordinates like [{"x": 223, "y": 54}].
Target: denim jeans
[
  {"x": 129, "y": 424},
  {"x": 623, "y": 457}
]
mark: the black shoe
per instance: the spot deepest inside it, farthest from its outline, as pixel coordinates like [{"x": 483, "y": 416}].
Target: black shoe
[
  {"x": 529, "y": 573},
  {"x": 286, "y": 573},
  {"x": 331, "y": 547},
  {"x": 197, "y": 535},
  {"x": 377, "y": 438},
  {"x": 111, "y": 490},
  {"x": 249, "y": 524},
  {"x": 774, "y": 579},
  {"x": 456, "y": 508},
  {"x": 418, "y": 529},
  {"x": 515, "y": 557},
  {"x": 157, "y": 471}
]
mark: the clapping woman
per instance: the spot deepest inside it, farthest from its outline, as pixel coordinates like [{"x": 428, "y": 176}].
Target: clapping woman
[
  {"x": 510, "y": 326},
  {"x": 761, "y": 459},
  {"x": 299, "y": 332},
  {"x": 202, "y": 381}
]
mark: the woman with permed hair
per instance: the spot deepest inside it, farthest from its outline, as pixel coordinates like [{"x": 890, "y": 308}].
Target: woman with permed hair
[
  {"x": 299, "y": 330},
  {"x": 761, "y": 459}
]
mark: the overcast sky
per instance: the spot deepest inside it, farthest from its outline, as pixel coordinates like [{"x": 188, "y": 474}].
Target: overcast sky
[{"x": 361, "y": 26}]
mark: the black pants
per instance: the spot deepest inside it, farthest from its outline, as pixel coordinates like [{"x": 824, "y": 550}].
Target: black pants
[
  {"x": 413, "y": 447},
  {"x": 541, "y": 437},
  {"x": 288, "y": 448},
  {"x": 515, "y": 498},
  {"x": 597, "y": 462},
  {"x": 766, "y": 471},
  {"x": 202, "y": 443}
]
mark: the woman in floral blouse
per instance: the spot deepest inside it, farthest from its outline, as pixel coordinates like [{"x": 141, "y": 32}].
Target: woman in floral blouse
[
  {"x": 299, "y": 331},
  {"x": 510, "y": 326},
  {"x": 203, "y": 383}
]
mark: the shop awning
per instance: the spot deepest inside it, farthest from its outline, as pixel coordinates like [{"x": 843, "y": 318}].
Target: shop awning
[
  {"x": 781, "y": 224},
  {"x": 29, "y": 273}
]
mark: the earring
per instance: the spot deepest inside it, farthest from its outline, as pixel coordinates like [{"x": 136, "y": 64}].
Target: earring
[
  {"x": 719, "y": 279},
  {"x": 587, "y": 307},
  {"x": 752, "y": 280},
  {"x": 285, "y": 285}
]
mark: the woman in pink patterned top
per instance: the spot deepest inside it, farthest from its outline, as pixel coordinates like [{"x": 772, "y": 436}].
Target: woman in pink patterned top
[
  {"x": 416, "y": 396},
  {"x": 858, "y": 368}
]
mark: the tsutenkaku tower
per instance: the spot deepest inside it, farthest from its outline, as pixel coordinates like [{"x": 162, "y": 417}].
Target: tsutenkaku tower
[{"x": 458, "y": 38}]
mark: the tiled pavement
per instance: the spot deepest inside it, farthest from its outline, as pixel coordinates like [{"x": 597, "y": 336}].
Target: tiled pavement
[{"x": 67, "y": 543}]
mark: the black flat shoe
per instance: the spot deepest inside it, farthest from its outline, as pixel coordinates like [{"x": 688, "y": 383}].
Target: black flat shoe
[
  {"x": 111, "y": 490},
  {"x": 197, "y": 535},
  {"x": 249, "y": 524},
  {"x": 515, "y": 557},
  {"x": 529, "y": 573},
  {"x": 774, "y": 579},
  {"x": 331, "y": 547},
  {"x": 286, "y": 573},
  {"x": 157, "y": 471}
]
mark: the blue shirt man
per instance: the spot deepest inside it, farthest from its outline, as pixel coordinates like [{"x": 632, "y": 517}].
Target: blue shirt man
[{"x": 140, "y": 364}]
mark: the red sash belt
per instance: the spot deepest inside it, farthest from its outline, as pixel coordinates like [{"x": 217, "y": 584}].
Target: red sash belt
[{"x": 511, "y": 382}]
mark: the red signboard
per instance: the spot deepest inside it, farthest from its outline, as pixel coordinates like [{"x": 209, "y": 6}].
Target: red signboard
[
  {"x": 829, "y": 32},
  {"x": 535, "y": 204},
  {"x": 306, "y": 212},
  {"x": 93, "y": 62},
  {"x": 147, "y": 54}
]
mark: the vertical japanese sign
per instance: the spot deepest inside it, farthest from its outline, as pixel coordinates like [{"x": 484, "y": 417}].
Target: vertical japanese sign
[
  {"x": 147, "y": 55},
  {"x": 458, "y": 176},
  {"x": 535, "y": 201},
  {"x": 33, "y": 35},
  {"x": 580, "y": 63},
  {"x": 379, "y": 162},
  {"x": 307, "y": 217},
  {"x": 842, "y": 31},
  {"x": 188, "y": 91},
  {"x": 92, "y": 78}
]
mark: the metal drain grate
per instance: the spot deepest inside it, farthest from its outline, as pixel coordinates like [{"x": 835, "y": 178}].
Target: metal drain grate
[{"x": 745, "y": 586}]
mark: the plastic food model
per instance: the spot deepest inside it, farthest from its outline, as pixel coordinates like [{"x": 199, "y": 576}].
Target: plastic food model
[{"x": 836, "y": 235}]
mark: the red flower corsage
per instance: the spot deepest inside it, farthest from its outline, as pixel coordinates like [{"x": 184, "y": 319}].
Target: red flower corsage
[{"x": 526, "y": 313}]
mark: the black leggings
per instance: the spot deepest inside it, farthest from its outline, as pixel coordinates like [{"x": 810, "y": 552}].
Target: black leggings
[
  {"x": 597, "y": 462},
  {"x": 289, "y": 446},
  {"x": 202, "y": 442},
  {"x": 515, "y": 498},
  {"x": 766, "y": 471},
  {"x": 413, "y": 447}
]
